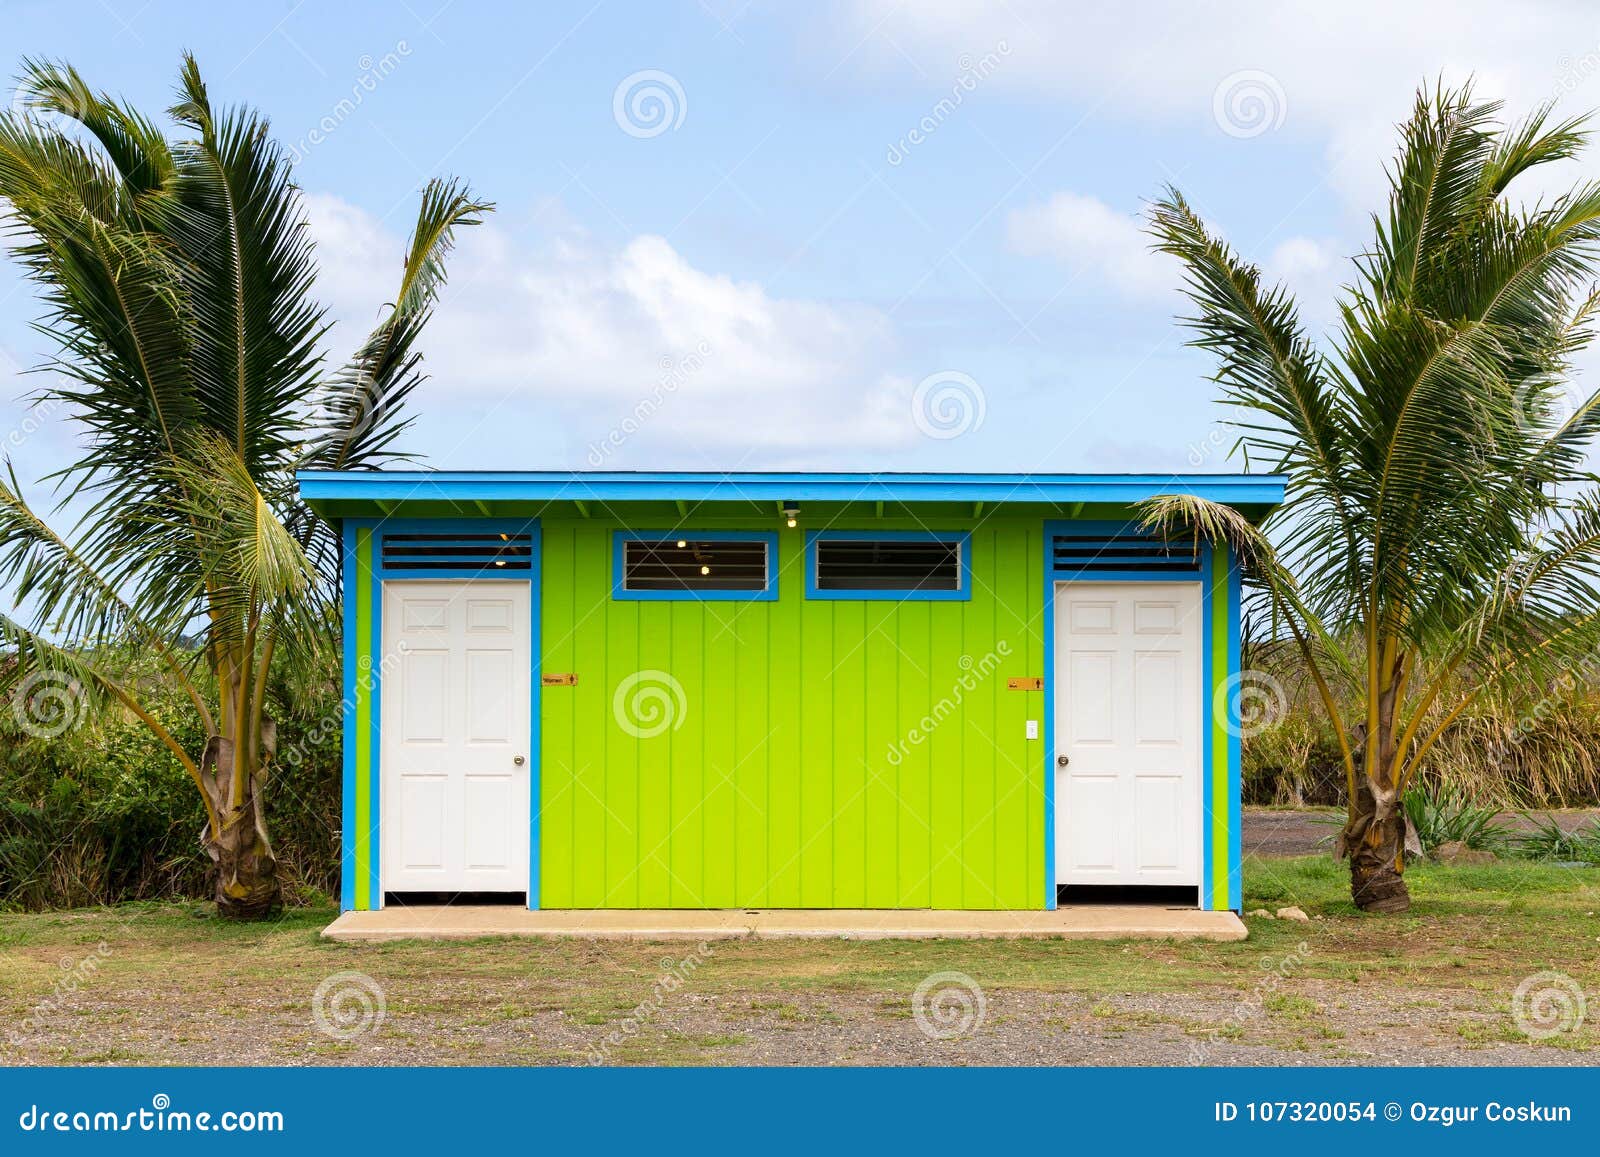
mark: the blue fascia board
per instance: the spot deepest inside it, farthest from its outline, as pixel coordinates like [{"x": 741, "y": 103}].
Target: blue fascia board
[{"x": 600, "y": 486}]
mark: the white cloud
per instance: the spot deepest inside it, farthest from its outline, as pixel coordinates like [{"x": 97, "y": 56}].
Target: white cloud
[
  {"x": 1347, "y": 71},
  {"x": 569, "y": 334},
  {"x": 1095, "y": 242}
]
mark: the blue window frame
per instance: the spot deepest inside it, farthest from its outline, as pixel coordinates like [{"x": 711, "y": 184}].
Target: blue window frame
[
  {"x": 659, "y": 588},
  {"x": 961, "y": 540}
]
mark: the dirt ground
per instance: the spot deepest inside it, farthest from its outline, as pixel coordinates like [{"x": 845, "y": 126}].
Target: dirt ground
[{"x": 1495, "y": 964}]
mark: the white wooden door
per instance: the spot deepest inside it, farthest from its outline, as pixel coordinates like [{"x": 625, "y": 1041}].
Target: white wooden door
[
  {"x": 1127, "y": 723},
  {"x": 454, "y": 791}
]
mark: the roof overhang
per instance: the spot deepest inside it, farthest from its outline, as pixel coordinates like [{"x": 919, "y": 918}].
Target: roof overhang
[{"x": 357, "y": 493}]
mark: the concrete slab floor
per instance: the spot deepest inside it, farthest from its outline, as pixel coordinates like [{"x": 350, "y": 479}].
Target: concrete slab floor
[{"x": 1082, "y": 922}]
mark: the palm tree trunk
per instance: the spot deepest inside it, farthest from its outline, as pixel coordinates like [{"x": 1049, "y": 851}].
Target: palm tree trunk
[
  {"x": 1374, "y": 838},
  {"x": 247, "y": 871}
]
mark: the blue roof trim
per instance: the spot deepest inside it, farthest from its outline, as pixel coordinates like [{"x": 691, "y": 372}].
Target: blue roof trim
[{"x": 600, "y": 486}]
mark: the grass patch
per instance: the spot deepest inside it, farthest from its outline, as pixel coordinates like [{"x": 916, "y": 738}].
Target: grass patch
[{"x": 195, "y": 989}]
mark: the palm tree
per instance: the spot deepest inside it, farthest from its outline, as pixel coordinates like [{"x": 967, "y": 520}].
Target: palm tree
[
  {"x": 178, "y": 278},
  {"x": 1440, "y": 520}
]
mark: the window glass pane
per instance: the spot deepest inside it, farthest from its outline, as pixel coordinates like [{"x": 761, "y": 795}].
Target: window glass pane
[
  {"x": 698, "y": 565},
  {"x": 888, "y": 565}
]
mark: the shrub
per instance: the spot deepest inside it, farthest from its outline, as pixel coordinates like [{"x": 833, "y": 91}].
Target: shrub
[
  {"x": 1446, "y": 814},
  {"x": 103, "y": 813}
]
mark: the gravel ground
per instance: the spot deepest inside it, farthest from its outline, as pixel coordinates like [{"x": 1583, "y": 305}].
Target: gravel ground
[
  {"x": 1283, "y": 832},
  {"x": 1305, "y": 1023}
]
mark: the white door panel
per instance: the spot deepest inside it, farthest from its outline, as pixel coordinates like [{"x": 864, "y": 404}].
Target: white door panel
[
  {"x": 454, "y": 799},
  {"x": 1128, "y": 722}
]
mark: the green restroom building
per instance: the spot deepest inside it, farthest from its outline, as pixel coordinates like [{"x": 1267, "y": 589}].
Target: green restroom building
[{"x": 785, "y": 690}]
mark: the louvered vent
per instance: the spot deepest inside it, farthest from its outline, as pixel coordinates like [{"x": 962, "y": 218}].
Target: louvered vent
[
  {"x": 498, "y": 553},
  {"x": 1102, "y": 553}
]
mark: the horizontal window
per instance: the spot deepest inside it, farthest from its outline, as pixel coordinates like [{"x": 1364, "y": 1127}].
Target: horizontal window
[
  {"x": 899, "y": 565},
  {"x": 671, "y": 564}
]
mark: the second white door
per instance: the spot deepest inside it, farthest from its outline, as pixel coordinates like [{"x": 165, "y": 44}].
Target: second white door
[
  {"x": 457, "y": 681},
  {"x": 1127, "y": 727}
]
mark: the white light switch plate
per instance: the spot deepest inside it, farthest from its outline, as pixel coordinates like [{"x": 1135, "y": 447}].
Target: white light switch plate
[{"x": 1033, "y": 729}]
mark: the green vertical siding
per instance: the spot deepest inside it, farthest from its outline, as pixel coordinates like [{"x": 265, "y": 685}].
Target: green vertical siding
[
  {"x": 367, "y": 648},
  {"x": 799, "y": 770}
]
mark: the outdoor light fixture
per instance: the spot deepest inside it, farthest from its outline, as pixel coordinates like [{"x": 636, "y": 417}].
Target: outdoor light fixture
[
  {"x": 705, "y": 570},
  {"x": 790, "y": 513},
  {"x": 682, "y": 543}
]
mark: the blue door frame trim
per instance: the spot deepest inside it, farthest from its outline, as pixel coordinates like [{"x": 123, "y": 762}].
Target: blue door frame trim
[
  {"x": 378, "y": 576},
  {"x": 961, "y": 537},
  {"x": 347, "y": 840},
  {"x": 1052, "y": 579}
]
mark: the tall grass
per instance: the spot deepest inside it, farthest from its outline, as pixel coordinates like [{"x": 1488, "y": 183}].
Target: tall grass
[{"x": 1531, "y": 751}]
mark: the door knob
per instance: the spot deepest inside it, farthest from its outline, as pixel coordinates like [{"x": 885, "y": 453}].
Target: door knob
[
  {"x": 1062, "y": 761},
  {"x": 518, "y": 760}
]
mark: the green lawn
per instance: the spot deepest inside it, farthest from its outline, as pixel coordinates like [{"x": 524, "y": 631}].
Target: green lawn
[{"x": 171, "y": 984}]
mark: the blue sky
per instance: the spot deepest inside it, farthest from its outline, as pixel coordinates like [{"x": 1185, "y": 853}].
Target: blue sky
[{"x": 763, "y": 267}]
